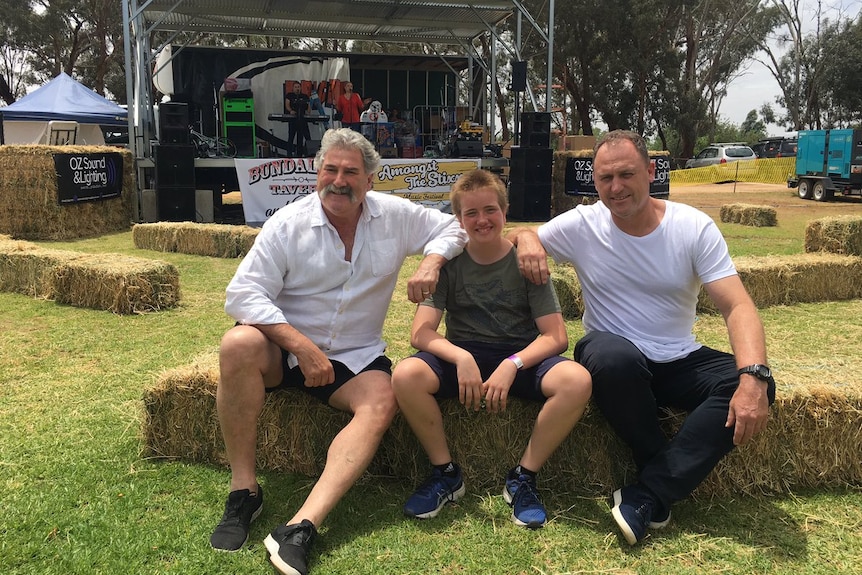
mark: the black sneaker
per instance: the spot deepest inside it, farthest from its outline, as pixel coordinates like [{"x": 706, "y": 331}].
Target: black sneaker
[
  {"x": 241, "y": 509},
  {"x": 660, "y": 517},
  {"x": 633, "y": 510},
  {"x": 288, "y": 547}
]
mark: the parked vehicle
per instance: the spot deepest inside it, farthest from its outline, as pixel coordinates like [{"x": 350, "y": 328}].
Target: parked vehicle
[
  {"x": 778, "y": 147},
  {"x": 828, "y": 161},
  {"x": 715, "y": 154}
]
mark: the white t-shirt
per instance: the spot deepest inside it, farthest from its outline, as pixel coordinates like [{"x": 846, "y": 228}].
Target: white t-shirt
[{"x": 642, "y": 288}]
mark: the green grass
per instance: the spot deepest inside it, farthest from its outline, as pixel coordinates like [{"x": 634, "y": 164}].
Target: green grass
[{"x": 78, "y": 497}]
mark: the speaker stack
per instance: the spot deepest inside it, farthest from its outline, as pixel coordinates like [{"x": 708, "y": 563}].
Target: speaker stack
[
  {"x": 174, "y": 160},
  {"x": 530, "y": 174}
]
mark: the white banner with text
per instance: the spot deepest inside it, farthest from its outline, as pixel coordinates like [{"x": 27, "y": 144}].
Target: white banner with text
[{"x": 267, "y": 184}]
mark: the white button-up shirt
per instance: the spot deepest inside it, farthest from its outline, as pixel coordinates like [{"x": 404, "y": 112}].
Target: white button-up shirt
[{"x": 296, "y": 272}]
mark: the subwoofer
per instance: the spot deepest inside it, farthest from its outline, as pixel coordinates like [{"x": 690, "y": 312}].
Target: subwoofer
[
  {"x": 535, "y": 129},
  {"x": 174, "y": 123},
  {"x": 531, "y": 165},
  {"x": 174, "y": 165},
  {"x": 529, "y": 202},
  {"x": 176, "y": 204}
]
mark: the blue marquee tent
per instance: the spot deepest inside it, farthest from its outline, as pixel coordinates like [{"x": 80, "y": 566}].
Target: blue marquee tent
[{"x": 61, "y": 99}]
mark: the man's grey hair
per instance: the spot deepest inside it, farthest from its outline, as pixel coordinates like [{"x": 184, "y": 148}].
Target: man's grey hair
[
  {"x": 617, "y": 136},
  {"x": 347, "y": 139}
]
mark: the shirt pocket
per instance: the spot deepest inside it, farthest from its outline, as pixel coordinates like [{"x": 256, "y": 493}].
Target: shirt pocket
[{"x": 384, "y": 257}]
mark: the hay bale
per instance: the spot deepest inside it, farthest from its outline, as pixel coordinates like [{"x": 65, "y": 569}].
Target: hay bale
[
  {"x": 27, "y": 269},
  {"x": 798, "y": 278},
  {"x": 814, "y": 439},
  {"x": 748, "y": 215},
  {"x": 213, "y": 240},
  {"x": 117, "y": 283},
  {"x": 29, "y": 201},
  {"x": 113, "y": 282},
  {"x": 840, "y": 235},
  {"x": 568, "y": 290}
]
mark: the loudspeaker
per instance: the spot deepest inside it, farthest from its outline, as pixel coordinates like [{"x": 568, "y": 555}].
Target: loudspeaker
[
  {"x": 174, "y": 165},
  {"x": 529, "y": 202},
  {"x": 174, "y": 123},
  {"x": 176, "y": 204},
  {"x": 468, "y": 149},
  {"x": 531, "y": 165},
  {"x": 535, "y": 129},
  {"x": 243, "y": 138},
  {"x": 519, "y": 76}
]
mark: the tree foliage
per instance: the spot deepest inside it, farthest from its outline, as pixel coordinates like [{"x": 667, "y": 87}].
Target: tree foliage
[{"x": 659, "y": 67}]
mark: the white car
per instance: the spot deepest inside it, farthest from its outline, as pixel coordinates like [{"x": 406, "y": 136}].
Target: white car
[{"x": 716, "y": 154}]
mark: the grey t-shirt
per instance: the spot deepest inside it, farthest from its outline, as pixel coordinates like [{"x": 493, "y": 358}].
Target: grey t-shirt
[{"x": 491, "y": 303}]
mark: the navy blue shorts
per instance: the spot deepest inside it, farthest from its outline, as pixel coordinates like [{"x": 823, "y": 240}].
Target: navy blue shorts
[
  {"x": 488, "y": 356},
  {"x": 294, "y": 378}
]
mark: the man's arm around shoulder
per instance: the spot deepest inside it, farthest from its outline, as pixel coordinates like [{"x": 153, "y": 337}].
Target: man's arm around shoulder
[{"x": 532, "y": 257}]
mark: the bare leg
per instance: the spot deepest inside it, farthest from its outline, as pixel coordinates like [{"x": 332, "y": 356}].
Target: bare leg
[
  {"x": 567, "y": 388},
  {"x": 414, "y": 384},
  {"x": 248, "y": 361},
  {"x": 369, "y": 397}
]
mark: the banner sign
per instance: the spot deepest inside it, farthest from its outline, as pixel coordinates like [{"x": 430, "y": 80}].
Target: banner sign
[
  {"x": 579, "y": 176},
  {"x": 88, "y": 177},
  {"x": 268, "y": 184}
]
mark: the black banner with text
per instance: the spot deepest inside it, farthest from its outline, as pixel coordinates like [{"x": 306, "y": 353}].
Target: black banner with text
[
  {"x": 88, "y": 177},
  {"x": 579, "y": 176}
]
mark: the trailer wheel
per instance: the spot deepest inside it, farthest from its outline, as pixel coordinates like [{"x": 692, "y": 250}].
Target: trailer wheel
[
  {"x": 804, "y": 189},
  {"x": 820, "y": 193}
]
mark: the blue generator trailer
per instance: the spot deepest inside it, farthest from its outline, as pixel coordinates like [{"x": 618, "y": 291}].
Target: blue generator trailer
[{"x": 828, "y": 162}]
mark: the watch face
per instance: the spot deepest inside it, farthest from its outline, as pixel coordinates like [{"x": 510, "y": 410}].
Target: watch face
[{"x": 763, "y": 372}]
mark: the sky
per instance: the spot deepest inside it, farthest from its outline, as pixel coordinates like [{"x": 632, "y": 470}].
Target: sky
[{"x": 756, "y": 86}]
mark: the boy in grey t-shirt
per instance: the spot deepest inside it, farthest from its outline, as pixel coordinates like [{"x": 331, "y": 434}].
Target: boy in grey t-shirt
[{"x": 503, "y": 336}]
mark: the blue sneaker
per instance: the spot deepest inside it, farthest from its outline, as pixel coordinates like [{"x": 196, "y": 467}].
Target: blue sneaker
[
  {"x": 430, "y": 497},
  {"x": 527, "y": 510},
  {"x": 633, "y": 510}
]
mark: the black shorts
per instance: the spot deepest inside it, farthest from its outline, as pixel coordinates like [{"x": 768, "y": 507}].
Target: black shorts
[
  {"x": 528, "y": 381},
  {"x": 294, "y": 378}
]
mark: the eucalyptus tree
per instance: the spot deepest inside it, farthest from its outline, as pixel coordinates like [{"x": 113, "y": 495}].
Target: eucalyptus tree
[{"x": 717, "y": 39}]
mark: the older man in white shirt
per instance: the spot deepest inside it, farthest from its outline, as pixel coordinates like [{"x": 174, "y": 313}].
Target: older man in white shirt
[{"x": 310, "y": 299}]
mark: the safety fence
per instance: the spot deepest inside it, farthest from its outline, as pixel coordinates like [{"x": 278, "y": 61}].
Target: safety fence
[{"x": 764, "y": 171}]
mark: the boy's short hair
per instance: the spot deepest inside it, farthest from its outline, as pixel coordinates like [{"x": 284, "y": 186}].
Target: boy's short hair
[{"x": 474, "y": 180}]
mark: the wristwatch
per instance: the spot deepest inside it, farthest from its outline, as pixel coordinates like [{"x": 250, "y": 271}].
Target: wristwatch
[
  {"x": 761, "y": 372},
  {"x": 516, "y": 360}
]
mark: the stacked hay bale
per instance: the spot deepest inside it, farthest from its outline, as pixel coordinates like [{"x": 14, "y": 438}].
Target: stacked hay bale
[
  {"x": 840, "y": 235},
  {"x": 113, "y": 282},
  {"x": 29, "y": 203},
  {"x": 214, "y": 240},
  {"x": 749, "y": 215},
  {"x": 813, "y": 438}
]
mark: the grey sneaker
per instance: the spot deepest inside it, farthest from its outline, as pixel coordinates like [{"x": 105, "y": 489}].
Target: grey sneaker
[
  {"x": 240, "y": 510},
  {"x": 288, "y": 547}
]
